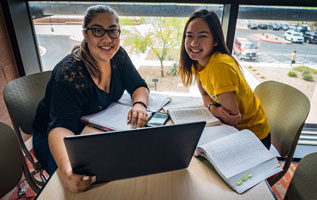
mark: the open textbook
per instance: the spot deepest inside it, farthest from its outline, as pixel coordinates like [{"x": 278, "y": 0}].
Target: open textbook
[
  {"x": 240, "y": 158},
  {"x": 191, "y": 114},
  {"x": 114, "y": 117}
]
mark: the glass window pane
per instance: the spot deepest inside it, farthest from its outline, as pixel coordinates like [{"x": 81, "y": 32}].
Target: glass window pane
[
  {"x": 276, "y": 33},
  {"x": 151, "y": 33}
]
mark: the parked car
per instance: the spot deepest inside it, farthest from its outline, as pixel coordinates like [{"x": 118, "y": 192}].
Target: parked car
[
  {"x": 276, "y": 27},
  {"x": 252, "y": 26},
  {"x": 310, "y": 37},
  {"x": 262, "y": 26},
  {"x": 270, "y": 25},
  {"x": 285, "y": 27},
  {"x": 244, "y": 49},
  {"x": 292, "y": 26},
  {"x": 303, "y": 28},
  {"x": 294, "y": 36}
]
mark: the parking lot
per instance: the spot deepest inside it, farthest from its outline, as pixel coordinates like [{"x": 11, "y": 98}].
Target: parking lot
[{"x": 269, "y": 52}]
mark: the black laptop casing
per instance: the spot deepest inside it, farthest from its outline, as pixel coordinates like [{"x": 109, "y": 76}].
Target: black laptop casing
[{"x": 124, "y": 154}]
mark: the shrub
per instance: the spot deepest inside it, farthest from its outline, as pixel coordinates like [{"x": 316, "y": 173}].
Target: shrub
[
  {"x": 298, "y": 68},
  {"x": 249, "y": 66},
  {"x": 258, "y": 73},
  {"x": 307, "y": 77},
  {"x": 173, "y": 71},
  {"x": 253, "y": 69},
  {"x": 263, "y": 77},
  {"x": 304, "y": 68},
  {"x": 292, "y": 74},
  {"x": 306, "y": 72}
]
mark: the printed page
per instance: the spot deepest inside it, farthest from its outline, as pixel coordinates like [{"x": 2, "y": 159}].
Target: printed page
[
  {"x": 213, "y": 133},
  {"x": 186, "y": 115},
  {"x": 184, "y": 102},
  {"x": 255, "y": 175},
  {"x": 236, "y": 153},
  {"x": 115, "y": 117},
  {"x": 156, "y": 101}
]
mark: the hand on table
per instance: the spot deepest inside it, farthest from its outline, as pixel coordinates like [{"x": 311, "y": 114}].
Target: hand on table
[
  {"x": 75, "y": 182},
  {"x": 138, "y": 116}
]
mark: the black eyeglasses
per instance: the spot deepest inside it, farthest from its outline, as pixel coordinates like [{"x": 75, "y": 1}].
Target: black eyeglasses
[{"x": 100, "y": 32}]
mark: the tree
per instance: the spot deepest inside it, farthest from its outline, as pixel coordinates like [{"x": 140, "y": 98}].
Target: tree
[{"x": 161, "y": 35}]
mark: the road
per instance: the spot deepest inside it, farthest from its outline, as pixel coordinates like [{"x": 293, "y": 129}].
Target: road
[
  {"x": 278, "y": 53},
  {"x": 57, "y": 46}
]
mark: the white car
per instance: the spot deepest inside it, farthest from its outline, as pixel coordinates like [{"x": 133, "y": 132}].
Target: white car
[
  {"x": 292, "y": 26},
  {"x": 294, "y": 36}
]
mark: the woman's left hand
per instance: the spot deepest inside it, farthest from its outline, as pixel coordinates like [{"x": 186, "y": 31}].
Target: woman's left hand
[{"x": 138, "y": 116}]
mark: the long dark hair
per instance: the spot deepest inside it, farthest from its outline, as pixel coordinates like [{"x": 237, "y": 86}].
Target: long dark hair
[
  {"x": 81, "y": 52},
  {"x": 213, "y": 22}
]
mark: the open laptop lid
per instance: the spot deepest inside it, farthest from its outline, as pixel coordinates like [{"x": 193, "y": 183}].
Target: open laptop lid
[{"x": 123, "y": 154}]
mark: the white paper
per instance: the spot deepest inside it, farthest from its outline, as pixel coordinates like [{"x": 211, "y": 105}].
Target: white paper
[
  {"x": 186, "y": 115},
  {"x": 184, "y": 102},
  {"x": 215, "y": 132},
  {"x": 155, "y": 103},
  {"x": 113, "y": 117}
]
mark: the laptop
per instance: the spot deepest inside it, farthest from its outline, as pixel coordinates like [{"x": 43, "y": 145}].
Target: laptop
[{"x": 124, "y": 154}]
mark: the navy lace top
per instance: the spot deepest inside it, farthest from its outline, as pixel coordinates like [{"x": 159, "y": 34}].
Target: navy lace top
[{"x": 71, "y": 93}]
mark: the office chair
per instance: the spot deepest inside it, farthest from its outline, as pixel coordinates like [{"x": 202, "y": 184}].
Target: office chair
[
  {"x": 286, "y": 109},
  {"x": 21, "y": 97},
  {"x": 304, "y": 181},
  {"x": 13, "y": 164}
]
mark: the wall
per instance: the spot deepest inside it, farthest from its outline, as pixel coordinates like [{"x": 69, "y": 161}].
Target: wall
[{"x": 8, "y": 69}]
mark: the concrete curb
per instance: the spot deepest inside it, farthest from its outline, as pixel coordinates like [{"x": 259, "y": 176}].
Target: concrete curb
[{"x": 272, "y": 41}]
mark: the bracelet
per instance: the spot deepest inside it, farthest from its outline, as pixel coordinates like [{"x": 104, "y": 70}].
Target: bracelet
[
  {"x": 213, "y": 103},
  {"x": 140, "y": 102}
]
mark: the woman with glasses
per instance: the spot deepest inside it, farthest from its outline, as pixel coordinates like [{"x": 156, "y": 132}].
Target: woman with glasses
[{"x": 95, "y": 74}]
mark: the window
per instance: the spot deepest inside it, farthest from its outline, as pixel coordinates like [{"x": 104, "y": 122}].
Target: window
[
  {"x": 58, "y": 29},
  {"x": 273, "y": 33},
  {"x": 286, "y": 29}
]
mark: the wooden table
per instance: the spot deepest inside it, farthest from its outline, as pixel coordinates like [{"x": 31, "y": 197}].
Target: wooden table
[{"x": 199, "y": 181}]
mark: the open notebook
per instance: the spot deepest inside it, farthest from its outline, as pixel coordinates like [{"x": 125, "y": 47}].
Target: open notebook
[{"x": 114, "y": 117}]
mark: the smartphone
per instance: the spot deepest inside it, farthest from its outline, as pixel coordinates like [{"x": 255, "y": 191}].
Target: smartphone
[{"x": 157, "y": 119}]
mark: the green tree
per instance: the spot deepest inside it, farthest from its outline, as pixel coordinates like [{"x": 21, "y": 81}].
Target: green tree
[{"x": 163, "y": 35}]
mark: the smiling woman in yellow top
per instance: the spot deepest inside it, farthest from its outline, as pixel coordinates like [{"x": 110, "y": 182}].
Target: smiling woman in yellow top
[{"x": 221, "y": 83}]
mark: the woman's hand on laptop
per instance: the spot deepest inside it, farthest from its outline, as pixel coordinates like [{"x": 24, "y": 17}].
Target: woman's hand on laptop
[
  {"x": 138, "y": 116},
  {"x": 75, "y": 182}
]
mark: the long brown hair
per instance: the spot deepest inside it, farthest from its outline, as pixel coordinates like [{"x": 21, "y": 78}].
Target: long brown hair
[
  {"x": 186, "y": 63},
  {"x": 81, "y": 52}
]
